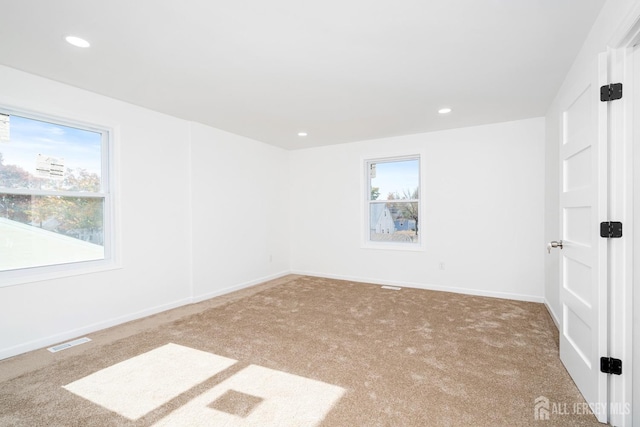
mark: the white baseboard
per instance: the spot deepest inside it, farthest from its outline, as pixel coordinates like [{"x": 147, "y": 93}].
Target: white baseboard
[
  {"x": 553, "y": 314},
  {"x": 239, "y": 286},
  {"x": 457, "y": 290},
  {"x": 74, "y": 333}
]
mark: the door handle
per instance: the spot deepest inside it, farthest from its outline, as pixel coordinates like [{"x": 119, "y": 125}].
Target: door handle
[{"x": 554, "y": 244}]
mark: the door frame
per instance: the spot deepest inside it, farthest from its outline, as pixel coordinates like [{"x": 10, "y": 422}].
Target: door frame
[
  {"x": 635, "y": 379},
  {"x": 620, "y": 204}
]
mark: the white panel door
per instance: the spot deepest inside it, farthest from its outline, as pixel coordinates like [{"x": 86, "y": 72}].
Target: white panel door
[{"x": 583, "y": 202}]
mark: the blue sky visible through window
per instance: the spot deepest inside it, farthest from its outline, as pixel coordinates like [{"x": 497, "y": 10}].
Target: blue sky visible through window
[
  {"x": 79, "y": 148},
  {"x": 396, "y": 177}
]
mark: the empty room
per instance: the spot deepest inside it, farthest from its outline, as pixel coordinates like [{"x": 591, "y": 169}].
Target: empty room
[{"x": 286, "y": 213}]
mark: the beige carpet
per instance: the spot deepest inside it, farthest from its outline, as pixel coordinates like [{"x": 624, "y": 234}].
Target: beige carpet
[{"x": 304, "y": 351}]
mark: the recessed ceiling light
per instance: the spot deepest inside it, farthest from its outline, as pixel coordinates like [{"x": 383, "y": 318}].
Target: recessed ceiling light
[
  {"x": 77, "y": 41},
  {"x": 444, "y": 110},
  {"x": 302, "y": 134}
]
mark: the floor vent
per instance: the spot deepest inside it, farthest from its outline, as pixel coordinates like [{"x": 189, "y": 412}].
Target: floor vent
[
  {"x": 67, "y": 345},
  {"x": 393, "y": 288}
]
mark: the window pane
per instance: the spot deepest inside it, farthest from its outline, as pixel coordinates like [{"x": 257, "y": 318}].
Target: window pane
[
  {"x": 47, "y": 156},
  {"x": 47, "y": 230},
  {"x": 394, "y": 222},
  {"x": 392, "y": 180}
]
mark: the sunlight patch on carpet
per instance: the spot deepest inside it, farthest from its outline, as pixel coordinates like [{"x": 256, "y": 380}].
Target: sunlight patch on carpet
[
  {"x": 277, "y": 399},
  {"x": 236, "y": 403},
  {"x": 139, "y": 385}
]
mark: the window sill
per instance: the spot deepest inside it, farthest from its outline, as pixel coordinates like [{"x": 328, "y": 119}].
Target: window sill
[
  {"x": 409, "y": 247},
  {"x": 40, "y": 274}
]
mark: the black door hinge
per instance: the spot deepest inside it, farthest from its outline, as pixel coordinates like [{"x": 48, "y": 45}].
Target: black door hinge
[
  {"x": 610, "y": 229},
  {"x": 609, "y": 365},
  {"x": 611, "y": 92}
]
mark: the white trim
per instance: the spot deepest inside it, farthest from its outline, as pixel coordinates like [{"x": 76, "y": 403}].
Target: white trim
[
  {"x": 621, "y": 259},
  {"x": 634, "y": 344},
  {"x": 628, "y": 31},
  {"x": 239, "y": 286},
  {"x": 53, "y": 118},
  {"x": 41, "y": 274},
  {"x": 425, "y": 286},
  {"x": 601, "y": 170},
  {"x": 365, "y": 202},
  {"x": 59, "y": 193},
  {"x": 552, "y": 313},
  {"x": 190, "y": 208},
  {"x": 393, "y": 246},
  {"x": 114, "y": 234},
  {"x": 618, "y": 168},
  {"x": 94, "y": 327},
  {"x": 110, "y": 195}
]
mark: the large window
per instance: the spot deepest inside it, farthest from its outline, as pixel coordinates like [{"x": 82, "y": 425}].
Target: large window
[
  {"x": 393, "y": 208},
  {"x": 54, "y": 193}
]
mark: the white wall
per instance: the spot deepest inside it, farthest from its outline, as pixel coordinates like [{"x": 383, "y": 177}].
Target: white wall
[
  {"x": 154, "y": 228},
  {"x": 484, "y": 216},
  {"x": 156, "y": 167},
  {"x": 240, "y": 211}
]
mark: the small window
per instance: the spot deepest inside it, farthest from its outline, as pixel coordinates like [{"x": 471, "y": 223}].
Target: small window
[
  {"x": 54, "y": 193},
  {"x": 393, "y": 212}
]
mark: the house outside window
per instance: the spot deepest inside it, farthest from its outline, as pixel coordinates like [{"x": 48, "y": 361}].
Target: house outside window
[
  {"x": 393, "y": 203},
  {"x": 55, "y": 200}
]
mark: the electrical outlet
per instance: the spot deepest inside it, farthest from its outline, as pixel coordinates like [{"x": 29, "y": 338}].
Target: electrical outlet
[{"x": 441, "y": 265}]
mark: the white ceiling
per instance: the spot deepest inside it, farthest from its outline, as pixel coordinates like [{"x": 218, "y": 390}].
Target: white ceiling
[{"x": 341, "y": 70}]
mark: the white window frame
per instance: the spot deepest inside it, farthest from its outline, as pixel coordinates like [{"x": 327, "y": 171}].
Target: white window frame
[
  {"x": 366, "y": 242},
  {"x": 111, "y": 258}
]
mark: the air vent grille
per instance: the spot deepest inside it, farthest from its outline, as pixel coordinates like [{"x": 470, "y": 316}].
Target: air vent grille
[{"x": 67, "y": 345}]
